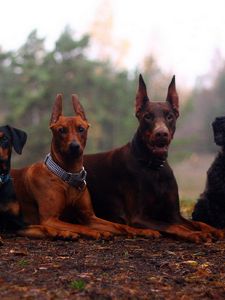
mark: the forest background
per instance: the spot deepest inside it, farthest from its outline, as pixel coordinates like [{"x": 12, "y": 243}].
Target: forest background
[{"x": 32, "y": 75}]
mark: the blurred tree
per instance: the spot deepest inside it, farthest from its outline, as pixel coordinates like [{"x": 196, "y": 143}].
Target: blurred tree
[
  {"x": 6, "y": 81},
  {"x": 155, "y": 78},
  {"x": 103, "y": 43},
  {"x": 206, "y": 101},
  {"x": 32, "y": 76}
]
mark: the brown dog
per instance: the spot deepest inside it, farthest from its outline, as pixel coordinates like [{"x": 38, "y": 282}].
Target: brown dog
[
  {"x": 53, "y": 197},
  {"x": 134, "y": 184}
]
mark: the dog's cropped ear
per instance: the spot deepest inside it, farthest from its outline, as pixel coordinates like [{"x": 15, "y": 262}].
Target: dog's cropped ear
[
  {"x": 141, "y": 96},
  {"x": 18, "y": 138},
  {"x": 78, "y": 108},
  {"x": 57, "y": 109},
  {"x": 172, "y": 97}
]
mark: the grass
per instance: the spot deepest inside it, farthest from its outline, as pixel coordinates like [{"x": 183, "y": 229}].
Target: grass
[
  {"x": 126, "y": 253},
  {"x": 23, "y": 262},
  {"x": 78, "y": 284}
]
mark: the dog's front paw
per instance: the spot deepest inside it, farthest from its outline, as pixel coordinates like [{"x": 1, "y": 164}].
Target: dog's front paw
[
  {"x": 149, "y": 233},
  {"x": 199, "y": 237},
  {"x": 133, "y": 231},
  {"x": 67, "y": 235},
  {"x": 218, "y": 234},
  {"x": 106, "y": 235},
  {"x": 94, "y": 234},
  {"x": 60, "y": 234}
]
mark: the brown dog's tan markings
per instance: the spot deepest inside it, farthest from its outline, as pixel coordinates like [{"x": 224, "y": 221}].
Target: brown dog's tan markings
[{"x": 51, "y": 206}]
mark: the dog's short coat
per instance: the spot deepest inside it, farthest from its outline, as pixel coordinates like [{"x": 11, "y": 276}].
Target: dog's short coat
[
  {"x": 10, "y": 216},
  {"x": 134, "y": 184},
  {"x": 55, "y": 205}
]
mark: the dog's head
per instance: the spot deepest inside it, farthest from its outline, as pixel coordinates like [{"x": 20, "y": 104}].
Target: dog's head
[
  {"x": 69, "y": 133},
  {"x": 218, "y": 126},
  {"x": 157, "y": 120},
  {"x": 10, "y": 137}
]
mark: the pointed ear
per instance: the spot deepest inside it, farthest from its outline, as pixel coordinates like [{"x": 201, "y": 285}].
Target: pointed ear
[
  {"x": 78, "y": 108},
  {"x": 57, "y": 109},
  {"x": 172, "y": 97},
  {"x": 141, "y": 96},
  {"x": 18, "y": 137}
]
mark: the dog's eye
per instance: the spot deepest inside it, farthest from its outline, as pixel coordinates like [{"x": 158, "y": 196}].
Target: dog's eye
[
  {"x": 4, "y": 141},
  {"x": 63, "y": 130},
  {"x": 169, "y": 117},
  {"x": 149, "y": 117},
  {"x": 80, "y": 129}
]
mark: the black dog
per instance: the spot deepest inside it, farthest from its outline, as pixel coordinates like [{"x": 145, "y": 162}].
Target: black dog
[
  {"x": 10, "y": 217},
  {"x": 210, "y": 207}
]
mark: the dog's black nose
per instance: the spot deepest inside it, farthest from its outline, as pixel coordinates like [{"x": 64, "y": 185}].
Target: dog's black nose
[
  {"x": 161, "y": 134},
  {"x": 74, "y": 147}
]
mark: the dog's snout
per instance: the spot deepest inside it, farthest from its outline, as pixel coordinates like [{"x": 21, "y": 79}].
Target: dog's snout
[
  {"x": 161, "y": 131},
  {"x": 161, "y": 134},
  {"x": 74, "y": 146}
]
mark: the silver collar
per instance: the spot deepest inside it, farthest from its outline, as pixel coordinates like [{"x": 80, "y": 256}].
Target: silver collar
[{"x": 77, "y": 180}]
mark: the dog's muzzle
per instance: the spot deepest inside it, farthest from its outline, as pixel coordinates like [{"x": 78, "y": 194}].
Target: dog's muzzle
[
  {"x": 74, "y": 149},
  {"x": 159, "y": 142},
  {"x": 218, "y": 126}
]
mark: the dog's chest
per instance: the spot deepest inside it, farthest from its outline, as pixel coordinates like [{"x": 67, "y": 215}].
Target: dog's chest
[
  {"x": 150, "y": 188},
  {"x": 7, "y": 199},
  {"x": 72, "y": 195}
]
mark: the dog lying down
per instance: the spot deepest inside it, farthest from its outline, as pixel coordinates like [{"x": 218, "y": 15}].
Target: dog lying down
[
  {"x": 52, "y": 194},
  {"x": 10, "y": 217},
  {"x": 210, "y": 207}
]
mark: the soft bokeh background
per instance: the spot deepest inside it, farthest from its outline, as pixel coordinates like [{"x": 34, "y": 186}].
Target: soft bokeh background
[{"x": 97, "y": 48}]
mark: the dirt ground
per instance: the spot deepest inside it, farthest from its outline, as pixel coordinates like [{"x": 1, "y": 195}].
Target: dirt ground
[{"x": 117, "y": 269}]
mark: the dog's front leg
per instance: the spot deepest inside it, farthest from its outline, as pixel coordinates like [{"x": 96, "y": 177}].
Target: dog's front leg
[
  {"x": 45, "y": 231},
  {"x": 121, "y": 229},
  {"x": 176, "y": 230},
  {"x": 51, "y": 205},
  {"x": 196, "y": 225},
  {"x": 66, "y": 228},
  {"x": 54, "y": 228},
  {"x": 84, "y": 206}
]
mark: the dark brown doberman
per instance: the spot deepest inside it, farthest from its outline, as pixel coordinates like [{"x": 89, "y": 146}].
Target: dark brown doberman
[
  {"x": 134, "y": 184},
  {"x": 10, "y": 217},
  {"x": 52, "y": 194}
]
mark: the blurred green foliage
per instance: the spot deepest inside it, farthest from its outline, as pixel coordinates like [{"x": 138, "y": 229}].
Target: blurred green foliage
[{"x": 31, "y": 76}]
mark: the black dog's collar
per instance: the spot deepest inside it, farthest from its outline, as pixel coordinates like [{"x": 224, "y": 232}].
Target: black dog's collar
[
  {"x": 153, "y": 163},
  {"x": 4, "y": 178},
  {"x": 77, "y": 180}
]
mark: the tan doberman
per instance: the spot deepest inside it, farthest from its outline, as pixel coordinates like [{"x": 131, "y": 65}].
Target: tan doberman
[{"x": 53, "y": 196}]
